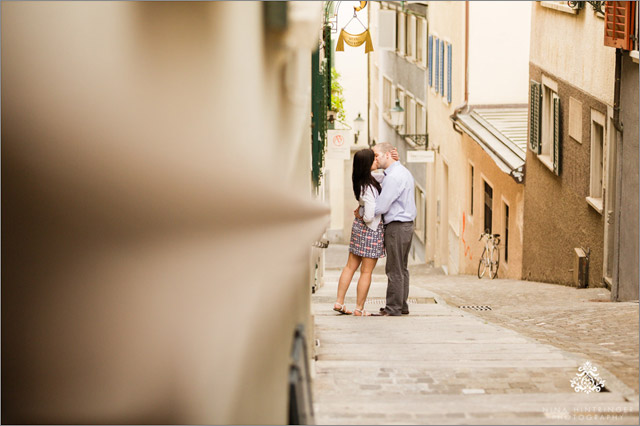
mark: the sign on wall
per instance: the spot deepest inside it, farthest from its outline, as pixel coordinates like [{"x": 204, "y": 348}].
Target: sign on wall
[
  {"x": 338, "y": 143},
  {"x": 421, "y": 156}
]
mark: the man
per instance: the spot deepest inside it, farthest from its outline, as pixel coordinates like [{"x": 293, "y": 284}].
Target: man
[{"x": 396, "y": 203}]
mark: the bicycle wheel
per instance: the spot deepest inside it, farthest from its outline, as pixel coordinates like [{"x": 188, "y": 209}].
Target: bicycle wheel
[
  {"x": 494, "y": 262},
  {"x": 482, "y": 263}
]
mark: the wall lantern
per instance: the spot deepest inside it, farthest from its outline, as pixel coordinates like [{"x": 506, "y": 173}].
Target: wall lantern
[
  {"x": 358, "y": 126},
  {"x": 397, "y": 115}
]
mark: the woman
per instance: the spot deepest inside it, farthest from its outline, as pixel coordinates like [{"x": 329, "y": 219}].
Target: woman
[{"x": 367, "y": 243}]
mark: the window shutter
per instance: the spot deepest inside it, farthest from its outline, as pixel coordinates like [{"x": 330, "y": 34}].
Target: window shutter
[
  {"x": 449, "y": 73},
  {"x": 618, "y": 24},
  {"x": 435, "y": 71},
  {"x": 557, "y": 136},
  {"x": 430, "y": 58},
  {"x": 442, "y": 68},
  {"x": 535, "y": 116}
]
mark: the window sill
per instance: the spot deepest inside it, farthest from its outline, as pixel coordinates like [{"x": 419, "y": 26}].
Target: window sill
[
  {"x": 596, "y": 203},
  {"x": 559, "y": 7},
  {"x": 546, "y": 160},
  {"x": 634, "y": 55}
]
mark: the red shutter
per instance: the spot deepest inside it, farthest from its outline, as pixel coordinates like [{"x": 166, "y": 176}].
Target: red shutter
[{"x": 618, "y": 24}]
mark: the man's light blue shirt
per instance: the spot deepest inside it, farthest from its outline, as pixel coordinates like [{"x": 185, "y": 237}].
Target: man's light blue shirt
[{"x": 397, "y": 199}]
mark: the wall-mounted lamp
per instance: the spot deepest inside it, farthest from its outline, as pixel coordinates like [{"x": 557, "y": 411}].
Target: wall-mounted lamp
[
  {"x": 358, "y": 126},
  {"x": 397, "y": 115}
]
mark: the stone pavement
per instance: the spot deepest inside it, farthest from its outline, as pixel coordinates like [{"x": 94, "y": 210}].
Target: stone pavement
[{"x": 444, "y": 365}]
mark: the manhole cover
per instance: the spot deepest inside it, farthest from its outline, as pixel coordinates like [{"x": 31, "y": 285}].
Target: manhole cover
[{"x": 476, "y": 307}]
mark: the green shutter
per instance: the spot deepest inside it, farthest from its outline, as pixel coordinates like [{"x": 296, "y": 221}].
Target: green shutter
[
  {"x": 535, "y": 116},
  {"x": 557, "y": 136}
]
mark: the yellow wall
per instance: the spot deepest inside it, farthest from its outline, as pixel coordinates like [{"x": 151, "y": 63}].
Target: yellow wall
[{"x": 505, "y": 190}]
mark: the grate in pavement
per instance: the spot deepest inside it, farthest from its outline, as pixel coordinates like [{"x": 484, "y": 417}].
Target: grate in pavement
[{"x": 476, "y": 307}]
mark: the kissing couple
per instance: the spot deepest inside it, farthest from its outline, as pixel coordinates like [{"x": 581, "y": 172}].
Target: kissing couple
[{"x": 384, "y": 223}]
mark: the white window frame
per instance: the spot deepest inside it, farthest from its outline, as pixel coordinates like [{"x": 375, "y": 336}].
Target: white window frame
[
  {"x": 411, "y": 37},
  {"x": 549, "y": 92},
  {"x": 387, "y": 102},
  {"x": 596, "y": 169},
  {"x": 421, "y": 125},
  {"x": 410, "y": 114},
  {"x": 401, "y": 21},
  {"x": 560, "y": 6},
  {"x": 421, "y": 42},
  {"x": 401, "y": 95}
]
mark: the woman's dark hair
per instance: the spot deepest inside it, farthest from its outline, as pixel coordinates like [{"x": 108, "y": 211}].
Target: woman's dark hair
[{"x": 361, "y": 176}]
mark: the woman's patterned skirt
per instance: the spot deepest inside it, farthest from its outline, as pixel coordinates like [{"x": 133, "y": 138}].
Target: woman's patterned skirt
[{"x": 366, "y": 242}]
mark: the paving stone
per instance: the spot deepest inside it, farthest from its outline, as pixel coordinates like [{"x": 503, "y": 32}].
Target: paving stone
[{"x": 431, "y": 366}]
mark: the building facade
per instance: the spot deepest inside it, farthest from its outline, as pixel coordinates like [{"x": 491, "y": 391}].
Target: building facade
[{"x": 571, "y": 96}]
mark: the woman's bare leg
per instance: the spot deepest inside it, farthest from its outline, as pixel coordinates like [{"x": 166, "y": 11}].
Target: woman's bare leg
[
  {"x": 365, "y": 281},
  {"x": 346, "y": 276}
]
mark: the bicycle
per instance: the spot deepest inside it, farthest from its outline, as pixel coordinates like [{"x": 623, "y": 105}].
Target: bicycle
[{"x": 490, "y": 258}]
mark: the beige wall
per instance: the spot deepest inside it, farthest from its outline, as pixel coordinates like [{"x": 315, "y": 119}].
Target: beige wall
[
  {"x": 157, "y": 203},
  {"x": 505, "y": 190},
  {"x": 571, "y": 47},
  {"x": 446, "y": 21},
  {"x": 499, "y": 52}
]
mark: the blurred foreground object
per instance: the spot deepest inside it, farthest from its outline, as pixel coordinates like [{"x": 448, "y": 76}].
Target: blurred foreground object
[{"x": 156, "y": 249}]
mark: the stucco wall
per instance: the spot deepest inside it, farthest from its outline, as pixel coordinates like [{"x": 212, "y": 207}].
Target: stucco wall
[
  {"x": 628, "y": 247},
  {"x": 505, "y": 190},
  {"x": 557, "y": 216},
  {"x": 446, "y": 21},
  {"x": 499, "y": 51},
  {"x": 571, "y": 47}
]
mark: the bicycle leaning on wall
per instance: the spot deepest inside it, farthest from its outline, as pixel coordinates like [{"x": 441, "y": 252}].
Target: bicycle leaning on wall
[{"x": 490, "y": 258}]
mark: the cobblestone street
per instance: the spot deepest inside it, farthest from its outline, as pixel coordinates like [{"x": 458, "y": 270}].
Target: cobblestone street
[{"x": 446, "y": 365}]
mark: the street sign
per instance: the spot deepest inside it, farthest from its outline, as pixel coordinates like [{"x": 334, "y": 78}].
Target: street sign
[
  {"x": 338, "y": 144},
  {"x": 421, "y": 156}
]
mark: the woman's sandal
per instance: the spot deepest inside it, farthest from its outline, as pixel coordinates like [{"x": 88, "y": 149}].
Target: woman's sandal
[
  {"x": 342, "y": 309},
  {"x": 361, "y": 313}
]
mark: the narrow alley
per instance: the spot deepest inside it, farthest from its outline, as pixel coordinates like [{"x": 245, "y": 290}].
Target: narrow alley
[{"x": 447, "y": 365}]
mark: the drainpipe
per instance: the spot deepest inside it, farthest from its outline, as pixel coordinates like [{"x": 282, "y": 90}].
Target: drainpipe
[
  {"x": 616, "y": 94},
  {"x": 615, "y": 285},
  {"x": 465, "y": 104}
]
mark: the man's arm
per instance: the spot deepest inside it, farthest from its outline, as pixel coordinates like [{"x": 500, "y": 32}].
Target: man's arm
[{"x": 390, "y": 192}]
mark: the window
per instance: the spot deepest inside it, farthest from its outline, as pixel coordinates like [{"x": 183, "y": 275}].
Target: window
[
  {"x": 430, "y": 61},
  {"x": 488, "y": 208},
  {"x": 448, "y": 73},
  {"x": 441, "y": 69},
  {"x": 421, "y": 42},
  {"x": 411, "y": 115},
  {"x": 401, "y": 96},
  {"x": 597, "y": 160},
  {"x": 387, "y": 102},
  {"x": 421, "y": 217},
  {"x": 411, "y": 36},
  {"x": 545, "y": 126},
  {"x": 506, "y": 232},
  {"x": 471, "y": 173},
  {"x": 401, "y": 36},
  {"x": 421, "y": 127},
  {"x": 437, "y": 65}
]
